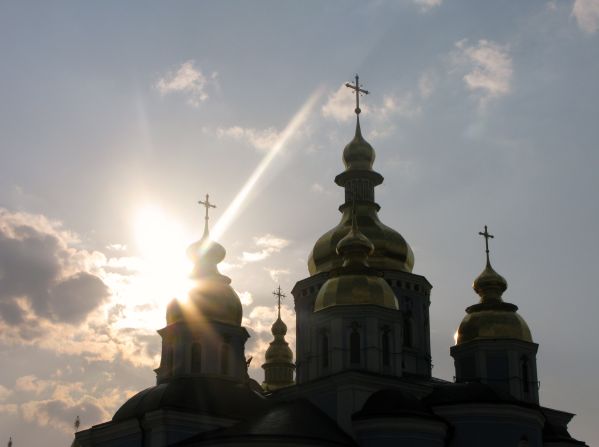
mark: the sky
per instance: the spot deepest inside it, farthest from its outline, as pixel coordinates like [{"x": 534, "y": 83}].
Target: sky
[{"x": 117, "y": 117}]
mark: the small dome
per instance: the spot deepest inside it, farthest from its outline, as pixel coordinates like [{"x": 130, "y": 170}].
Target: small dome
[
  {"x": 493, "y": 322},
  {"x": 278, "y": 352},
  {"x": 355, "y": 289},
  {"x": 489, "y": 284},
  {"x": 358, "y": 154},
  {"x": 492, "y": 318},
  {"x": 174, "y": 312},
  {"x": 279, "y": 327}
]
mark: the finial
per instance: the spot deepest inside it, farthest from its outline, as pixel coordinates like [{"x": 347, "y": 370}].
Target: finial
[
  {"x": 279, "y": 296},
  {"x": 10, "y": 442},
  {"x": 207, "y": 205},
  {"x": 77, "y": 423},
  {"x": 358, "y": 90},
  {"x": 487, "y": 236}
]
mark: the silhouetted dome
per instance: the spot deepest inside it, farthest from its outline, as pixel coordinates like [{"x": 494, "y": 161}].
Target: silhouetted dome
[{"x": 217, "y": 397}]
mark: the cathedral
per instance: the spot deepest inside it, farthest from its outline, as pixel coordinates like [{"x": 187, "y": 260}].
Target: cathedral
[{"x": 362, "y": 369}]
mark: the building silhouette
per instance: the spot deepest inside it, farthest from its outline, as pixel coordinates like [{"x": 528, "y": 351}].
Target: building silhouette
[{"x": 363, "y": 358}]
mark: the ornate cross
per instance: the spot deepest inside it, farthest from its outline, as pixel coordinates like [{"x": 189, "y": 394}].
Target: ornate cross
[
  {"x": 487, "y": 236},
  {"x": 206, "y": 205},
  {"x": 279, "y": 296},
  {"x": 358, "y": 90}
]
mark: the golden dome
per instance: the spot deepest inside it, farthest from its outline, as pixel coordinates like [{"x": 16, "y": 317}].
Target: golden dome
[
  {"x": 391, "y": 251},
  {"x": 212, "y": 297},
  {"x": 279, "y": 351},
  {"x": 492, "y": 318},
  {"x": 502, "y": 322},
  {"x": 354, "y": 283},
  {"x": 358, "y": 154}
]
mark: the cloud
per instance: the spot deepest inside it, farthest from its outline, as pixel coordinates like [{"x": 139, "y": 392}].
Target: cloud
[
  {"x": 61, "y": 414},
  {"x": 262, "y": 140},
  {"x": 43, "y": 274},
  {"x": 187, "y": 80},
  {"x": 586, "y": 13},
  {"x": 275, "y": 274},
  {"x": 245, "y": 298},
  {"x": 426, "y": 84},
  {"x": 427, "y": 5},
  {"x": 269, "y": 244},
  {"x": 317, "y": 188},
  {"x": 340, "y": 105},
  {"x": 488, "y": 67},
  {"x": 4, "y": 393}
]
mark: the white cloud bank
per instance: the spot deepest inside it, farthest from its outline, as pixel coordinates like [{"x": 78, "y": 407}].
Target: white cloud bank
[
  {"x": 489, "y": 68},
  {"x": 187, "y": 80},
  {"x": 269, "y": 244},
  {"x": 586, "y": 13}
]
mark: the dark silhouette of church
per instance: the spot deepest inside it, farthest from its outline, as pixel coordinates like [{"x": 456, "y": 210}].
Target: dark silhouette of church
[{"x": 363, "y": 359}]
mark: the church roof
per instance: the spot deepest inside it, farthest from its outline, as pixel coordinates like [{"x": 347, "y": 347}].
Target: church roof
[
  {"x": 298, "y": 421},
  {"x": 217, "y": 397},
  {"x": 469, "y": 392},
  {"x": 394, "y": 403}
]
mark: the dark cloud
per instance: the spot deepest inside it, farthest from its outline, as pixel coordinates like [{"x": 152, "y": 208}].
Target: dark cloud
[{"x": 36, "y": 274}]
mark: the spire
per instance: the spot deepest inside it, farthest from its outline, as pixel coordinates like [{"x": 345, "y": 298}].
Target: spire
[{"x": 489, "y": 285}]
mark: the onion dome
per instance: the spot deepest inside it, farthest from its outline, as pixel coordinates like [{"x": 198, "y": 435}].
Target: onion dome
[
  {"x": 174, "y": 312},
  {"x": 279, "y": 350},
  {"x": 391, "y": 251},
  {"x": 358, "y": 154},
  {"x": 278, "y": 366},
  {"x": 355, "y": 283},
  {"x": 492, "y": 318},
  {"x": 212, "y": 297}
]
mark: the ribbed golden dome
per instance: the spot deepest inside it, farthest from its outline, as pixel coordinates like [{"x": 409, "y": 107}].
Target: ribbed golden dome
[
  {"x": 492, "y": 318},
  {"x": 355, "y": 283},
  {"x": 502, "y": 322},
  {"x": 391, "y": 251}
]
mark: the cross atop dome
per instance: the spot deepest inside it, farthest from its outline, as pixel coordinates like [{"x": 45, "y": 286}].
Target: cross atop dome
[
  {"x": 206, "y": 203},
  {"x": 487, "y": 236},
  {"x": 280, "y": 295},
  {"x": 358, "y": 91}
]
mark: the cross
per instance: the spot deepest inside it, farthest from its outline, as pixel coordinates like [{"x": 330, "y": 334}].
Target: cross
[
  {"x": 207, "y": 205},
  {"x": 358, "y": 90},
  {"x": 487, "y": 236},
  {"x": 279, "y": 295}
]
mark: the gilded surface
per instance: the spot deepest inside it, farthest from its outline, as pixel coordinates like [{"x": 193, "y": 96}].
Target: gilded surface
[
  {"x": 391, "y": 251},
  {"x": 355, "y": 289}
]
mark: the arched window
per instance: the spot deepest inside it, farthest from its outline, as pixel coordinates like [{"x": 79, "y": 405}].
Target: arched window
[
  {"x": 386, "y": 345},
  {"x": 354, "y": 346},
  {"x": 525, "y": 375},
  {"x": 224, "y": 358},
  {"x": 324, "y": 348},
  {"x": 196, "y": 358}
]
